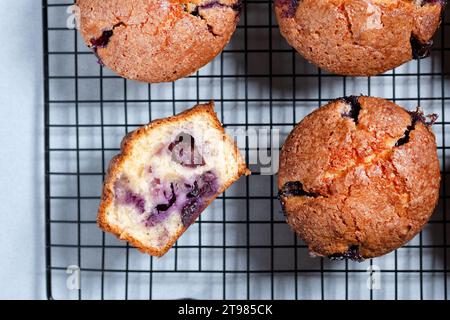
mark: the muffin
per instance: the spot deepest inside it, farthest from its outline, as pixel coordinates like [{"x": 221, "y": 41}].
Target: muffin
[
  {"x": 359, "y": 177},
  {"x": 168, "y": 172},
  {"x": 359, "y": 37},
  {"x": 157, "y": 40}
]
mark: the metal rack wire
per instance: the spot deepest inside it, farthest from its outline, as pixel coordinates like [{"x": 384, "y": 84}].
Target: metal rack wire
[{"x": 240, "y": 248}]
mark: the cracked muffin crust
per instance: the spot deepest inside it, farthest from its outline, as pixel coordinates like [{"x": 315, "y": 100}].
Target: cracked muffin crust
[
  {"x": 157, "y": 40},
  {"x": 359, "y": 177},
  {"x": 167, "y": 173},
  {"x": 359, "y": 37}
]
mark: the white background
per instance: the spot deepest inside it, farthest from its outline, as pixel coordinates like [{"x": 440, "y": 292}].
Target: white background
[{"x": 22, "y": 150}]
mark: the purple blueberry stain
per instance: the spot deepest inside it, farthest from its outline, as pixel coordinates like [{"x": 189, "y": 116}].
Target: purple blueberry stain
[
  {"x": 136, "y": 200},
  {"x": 125, "y": 196},
  {"x": 405, "y": 139},
  {"x": 355, "y": 108},
  {"x": 289, "y": 7},
  {"x": 189, "y": 211},
  {"x": 194, "y": 190},
  {"x": 295, "y": 189},
  {"x": 166, "y": 206},
  {"x": 352, "y": 253},
  {"x": 156, "y": 217},
  {"x": 217, "y": 4},
  {"x": 203, "y": 189},
  {"x": 188, "y": 198},
  {"x": 441, "y": 2},
  {"x": 185, "y": 152},
  {"x": 102, "y": 41},
  {"x": 236, "y": 7},
  {"x": 161, "y": 211},
  {"x": 420, "y": 50},
  {"x": 416, "y": 116},
  {"x": 214, "y": 4}
]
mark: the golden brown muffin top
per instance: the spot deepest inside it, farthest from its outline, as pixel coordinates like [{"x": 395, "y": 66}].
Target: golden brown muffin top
[
  {"x": 359, "y": 37},
  {"x": 157, "y": 40},
  {"x": 359, "y": 173}
]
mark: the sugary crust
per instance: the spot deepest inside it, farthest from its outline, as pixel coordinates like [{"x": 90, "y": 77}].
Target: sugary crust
[
  {"x": 158, "y": 40},
  {"x": 368, "y": 191},
  {"x": 357, "y": 37},
  {"x": 116, "y": 165}
]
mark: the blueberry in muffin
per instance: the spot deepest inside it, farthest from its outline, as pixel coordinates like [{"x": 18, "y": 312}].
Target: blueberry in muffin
[
  {"x": 167, "y": 174},
  {"x": 359, "y": 177}
]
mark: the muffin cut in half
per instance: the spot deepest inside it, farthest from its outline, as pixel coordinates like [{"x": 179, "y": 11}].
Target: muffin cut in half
[
  {"x": 168, "y": 172},
  {"x": 359, "y": 177}
]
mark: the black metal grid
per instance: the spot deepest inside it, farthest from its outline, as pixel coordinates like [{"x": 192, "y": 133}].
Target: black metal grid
[{"x": 88, "y": 109}]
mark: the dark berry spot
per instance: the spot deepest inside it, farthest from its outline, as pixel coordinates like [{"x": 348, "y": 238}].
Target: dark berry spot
[
  {"x": 195, "y": 12},
  {"x": 161, "y": 211},
  {"x": 216, "y": 3},
  {"x": 295, "y": 189},
  {"x": 103, "y": 40},
  {"x": 416, "y": 116},
  {"x": 420, "y": 50},
  {"x": 212, "y": 4},
  {"x": 237, "y": 6},
  {"x": 189, "y": 211},
  {"x": 172, "y": 200},
  {"x": 405, "y": 139},
  {"x": 210, "y": 30},
  {"x": 352, "y": 253},
  {"x": 441, "y": 2},
  {"x": 289, "y": 7},
  {"x": 194, "y": 192},
  {"x": 355, "y": 108},
  {"x": 185, "y": 152},
  {"x": 203, "y": 189}
]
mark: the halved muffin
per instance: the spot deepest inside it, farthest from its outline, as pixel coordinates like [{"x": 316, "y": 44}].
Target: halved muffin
[{"x": 168, "y": 172}]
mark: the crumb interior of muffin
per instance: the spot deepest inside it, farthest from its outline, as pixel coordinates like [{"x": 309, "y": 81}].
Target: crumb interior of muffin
[{"x": 169, "y": 180}]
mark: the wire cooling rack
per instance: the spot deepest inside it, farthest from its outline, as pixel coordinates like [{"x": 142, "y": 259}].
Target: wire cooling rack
[{"x": 241, "y": 247}]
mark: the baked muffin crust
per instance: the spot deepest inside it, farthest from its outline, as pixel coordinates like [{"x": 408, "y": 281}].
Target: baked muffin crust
[
  {"x": 359, "y": 37},
  {"x": 359, "y": 177},
  {"x": 157, "y": 40}
]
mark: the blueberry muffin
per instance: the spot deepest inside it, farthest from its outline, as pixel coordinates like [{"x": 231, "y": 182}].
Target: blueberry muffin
[
  {"x": 359, "y": 37},
  {"x": 157, "y": 40},
  {"x": 359, "y": 177},
  {"x": 167, "y": 174}
]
